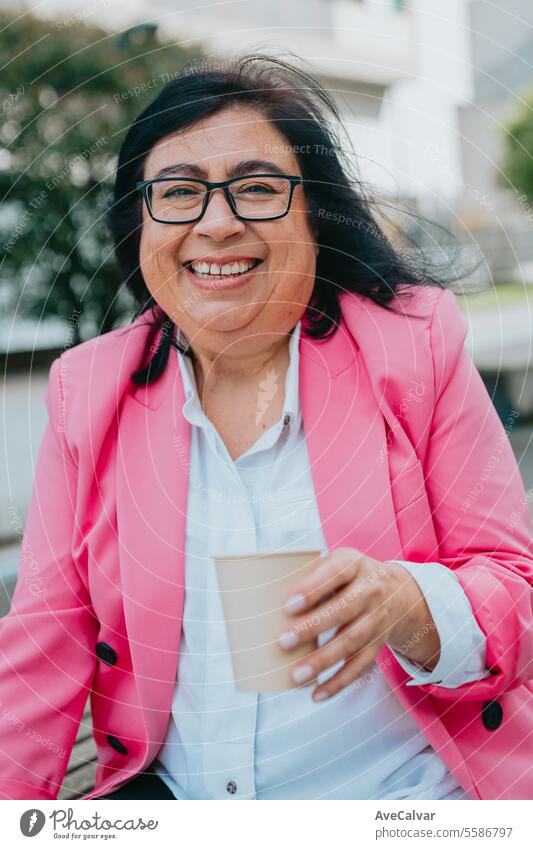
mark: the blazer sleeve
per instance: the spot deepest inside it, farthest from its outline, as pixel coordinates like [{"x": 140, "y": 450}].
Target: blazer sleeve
[
  {"x": 462, "y": 643},
  {"x": 47, "y": 639},
  {"x": 479, "y": 508}
]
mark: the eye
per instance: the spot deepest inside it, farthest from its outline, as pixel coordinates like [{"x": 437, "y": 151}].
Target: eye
[
  {"x": 256, "y": 188},
  {"x": 180, "y": 192}
]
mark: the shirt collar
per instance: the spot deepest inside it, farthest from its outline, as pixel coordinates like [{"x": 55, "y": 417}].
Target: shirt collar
[{"x": 192, "y": 409}]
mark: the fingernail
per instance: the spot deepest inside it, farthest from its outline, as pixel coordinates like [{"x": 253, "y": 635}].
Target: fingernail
[
  {"x": 302, "y": 674},
  {"x": 294, "y": 603},
  {"x": 319, "y": 697},
  {"x": 288, "y": 639}
]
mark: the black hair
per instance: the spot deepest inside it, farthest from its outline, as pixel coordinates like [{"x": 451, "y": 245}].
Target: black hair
[{"x": 355, "y": 253}]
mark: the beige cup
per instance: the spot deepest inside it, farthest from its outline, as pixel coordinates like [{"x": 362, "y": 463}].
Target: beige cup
[{"x": 253, "y": 589}]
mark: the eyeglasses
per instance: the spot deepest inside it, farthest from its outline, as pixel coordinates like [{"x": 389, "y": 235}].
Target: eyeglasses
[{"x": 256, "y": 197}]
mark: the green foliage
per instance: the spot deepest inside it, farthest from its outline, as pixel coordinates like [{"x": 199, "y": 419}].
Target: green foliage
[
  {"x": 67, "y": 97},
  {"x": 517, "y": 163}
]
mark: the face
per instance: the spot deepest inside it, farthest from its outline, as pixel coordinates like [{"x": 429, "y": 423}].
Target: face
[{"x": 269, "y": 300}]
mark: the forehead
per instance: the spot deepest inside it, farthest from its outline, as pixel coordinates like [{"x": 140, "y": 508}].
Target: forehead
[{"x": 216, "y": 142}]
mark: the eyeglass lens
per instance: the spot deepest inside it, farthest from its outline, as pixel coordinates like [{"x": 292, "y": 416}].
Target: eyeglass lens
[{"x": 254, "y": 197}]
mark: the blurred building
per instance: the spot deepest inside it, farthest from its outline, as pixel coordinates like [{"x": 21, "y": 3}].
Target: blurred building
[
  {"x": 398, "y": 69},
  {"x": 501, "y": 46},
  {"x": 424, "y": 88}
]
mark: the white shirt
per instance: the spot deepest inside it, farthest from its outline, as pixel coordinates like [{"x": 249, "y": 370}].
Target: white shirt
[{"x": 222, "y": 743}]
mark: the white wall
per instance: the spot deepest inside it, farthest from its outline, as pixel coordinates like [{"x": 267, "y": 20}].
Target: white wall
[
  {"x": 422, "y": 112},
  {"x": 24, "y": 418}
]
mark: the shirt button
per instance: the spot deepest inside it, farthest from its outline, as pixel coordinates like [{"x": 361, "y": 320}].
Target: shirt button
[
  {"x": 231, "y": 787},
  {"x": 287, "y": 420}
]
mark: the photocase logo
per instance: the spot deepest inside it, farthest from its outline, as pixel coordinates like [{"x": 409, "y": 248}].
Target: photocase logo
[
  {"x": 267, "y": 390},
  {"x": 32, "y": 822}
]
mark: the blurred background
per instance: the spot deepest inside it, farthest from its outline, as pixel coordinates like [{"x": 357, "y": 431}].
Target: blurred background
[{"x": 437, "y": 99}]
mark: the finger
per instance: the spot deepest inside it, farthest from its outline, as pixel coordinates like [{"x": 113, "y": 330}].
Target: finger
[
  {"x": 349, "y": 640},
  {"x": 342, "y": 607},
  {"x": 368, "y": 593},
  {"x": 332, "y": 572},
  {"x": 348, "y": 673}
]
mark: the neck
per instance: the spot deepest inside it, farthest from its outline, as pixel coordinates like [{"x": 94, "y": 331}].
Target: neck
[{"x": 226, "y": 370}]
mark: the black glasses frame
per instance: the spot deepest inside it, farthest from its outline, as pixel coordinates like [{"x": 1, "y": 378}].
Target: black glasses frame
[{"x": 144, "y": 188}]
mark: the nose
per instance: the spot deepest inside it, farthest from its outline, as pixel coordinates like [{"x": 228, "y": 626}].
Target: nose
[{"x": 218, "y": 221}]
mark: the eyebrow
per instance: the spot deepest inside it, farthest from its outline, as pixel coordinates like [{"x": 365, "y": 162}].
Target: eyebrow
[{"x": 245, "y": 166}]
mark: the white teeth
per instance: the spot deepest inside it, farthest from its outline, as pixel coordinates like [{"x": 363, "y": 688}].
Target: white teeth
[{"x": 215, "y": 270}]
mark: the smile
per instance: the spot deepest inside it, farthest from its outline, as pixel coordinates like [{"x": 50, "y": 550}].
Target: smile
[{"x": 213, "y": 275}]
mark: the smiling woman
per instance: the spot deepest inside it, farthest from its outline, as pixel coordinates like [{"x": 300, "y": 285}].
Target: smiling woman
[
  {"x": 259, "y": 117},
  {"x": 304, "y": 409}
]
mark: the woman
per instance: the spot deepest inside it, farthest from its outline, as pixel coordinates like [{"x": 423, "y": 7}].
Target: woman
[{"x": 288, "y": 382}]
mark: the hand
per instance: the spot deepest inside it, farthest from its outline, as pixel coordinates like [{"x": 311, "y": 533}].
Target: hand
[{"x": 374, "y": 604}]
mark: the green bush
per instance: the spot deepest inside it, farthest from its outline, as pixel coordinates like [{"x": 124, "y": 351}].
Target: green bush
[
  {"x": 517, "y": 162},
  {"x": 67, "y": 96}
]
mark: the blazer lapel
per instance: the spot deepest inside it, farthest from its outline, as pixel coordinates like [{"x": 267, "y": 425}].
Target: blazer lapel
[
  {"x": 347, "y": 446},
  {"x": 152, "y": 487}
]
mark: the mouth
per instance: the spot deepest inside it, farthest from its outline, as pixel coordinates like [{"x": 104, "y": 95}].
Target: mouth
[{"x": 227, "y": 275}]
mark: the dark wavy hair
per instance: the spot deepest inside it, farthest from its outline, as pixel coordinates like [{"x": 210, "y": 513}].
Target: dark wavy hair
[{"x": 355, "y": 254}]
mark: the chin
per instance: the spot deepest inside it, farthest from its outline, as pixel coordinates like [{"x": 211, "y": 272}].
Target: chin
[{"x": 225, "y": 319}]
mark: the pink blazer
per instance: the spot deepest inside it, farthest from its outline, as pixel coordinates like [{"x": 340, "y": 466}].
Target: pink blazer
[{"x": 409, "y": 461}]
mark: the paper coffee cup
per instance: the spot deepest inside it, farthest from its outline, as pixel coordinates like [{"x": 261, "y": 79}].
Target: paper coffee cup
[{"x": 253, "y": 589}]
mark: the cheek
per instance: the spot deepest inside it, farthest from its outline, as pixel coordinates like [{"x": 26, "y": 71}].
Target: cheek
[
  {"x": 296, "y": 281},
  {"x": 157, "y": 251},
  {"x": 293, "y": 246},
  {"x": 151, "y": 243},
  {"x": 158, "y": 270},
  {"x": 148, "y": 248}
]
